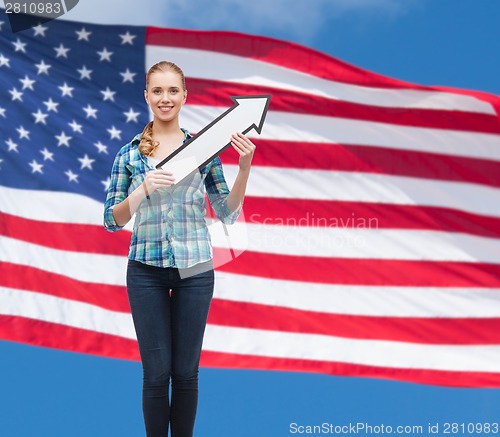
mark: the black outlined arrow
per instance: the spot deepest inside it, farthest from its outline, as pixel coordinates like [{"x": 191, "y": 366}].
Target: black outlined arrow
[{"x": 247, "y": 113}]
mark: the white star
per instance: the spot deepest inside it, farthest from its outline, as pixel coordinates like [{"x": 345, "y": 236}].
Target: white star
[
  {"x": 47, "y": 155},
  {"x": 105, "y": 55},
  {"x": 4, "y": 61},
  {"x": 71, "y": 176},
  {"x": 101, "y": 148},
  {"x": 61, "y": 51},
  {"x": 35, "y": 167},
  {"x": 83, "y": 34},
  {"x": 84, "y": 73},
  {"x": 114, "y": 132},
  {"x": 66, "y": 90},
  {"x": 40, "y": 117},
  {"x": 40, "y": 30},
  {"x": 86, "y": 162},
  {"x": 23, "y": 133},
  {"x": 76, "y": 127},
  {"x": 63, "y": 140},
  {"x": 108, "y": 94},
  {"x": 16, "y": 95},
  {"x": 131, "y": 115},
  {"x": 43, "y": 68},
  {"x": 27, "y": 82},
  {"x": 19, "y": 46},
  {"x": 51, "y": 105},
  {"x": 128, "y": 76},
  {"x": 2, "y": 112},
  {"x": 91, "y": 112},
  {"x": 106, "y": 183},
  {"x": 127, "y": 38},
  {"x": 12, "y": 146}
]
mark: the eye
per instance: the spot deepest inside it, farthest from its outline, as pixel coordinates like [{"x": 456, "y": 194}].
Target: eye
[
  {"x": 156, "y": 91},
  {"x": 174, "y": 91}
]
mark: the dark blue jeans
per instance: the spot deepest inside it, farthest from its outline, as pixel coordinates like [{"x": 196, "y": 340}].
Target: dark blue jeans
[{"x": 170, "y": 310}]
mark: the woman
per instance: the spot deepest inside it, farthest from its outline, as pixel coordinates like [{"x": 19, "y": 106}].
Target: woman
[{"x": 170, "y": 277}]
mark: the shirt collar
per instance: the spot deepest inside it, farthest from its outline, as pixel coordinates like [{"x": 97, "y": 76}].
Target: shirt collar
[{"x": 187, "y": 136}]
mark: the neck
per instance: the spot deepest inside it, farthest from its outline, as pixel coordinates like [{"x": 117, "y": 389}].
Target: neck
[{"x": 161, "y": 128}]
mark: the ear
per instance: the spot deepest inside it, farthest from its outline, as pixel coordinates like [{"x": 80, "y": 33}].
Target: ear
[
  {"x": 146, "y": 96},
  {"x": 185, "y": 96}
]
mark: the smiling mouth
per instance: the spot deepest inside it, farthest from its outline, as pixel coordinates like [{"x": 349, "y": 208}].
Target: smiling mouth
[{"x": 165, "y": 108}]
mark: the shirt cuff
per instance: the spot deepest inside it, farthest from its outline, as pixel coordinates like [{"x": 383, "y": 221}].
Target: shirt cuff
[
  {"x": 229, "y": 215},
  {"x": 109, "y": 220}
]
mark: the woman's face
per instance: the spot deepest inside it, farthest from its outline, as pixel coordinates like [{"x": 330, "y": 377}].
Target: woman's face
[{"x": 165, "y": 95}]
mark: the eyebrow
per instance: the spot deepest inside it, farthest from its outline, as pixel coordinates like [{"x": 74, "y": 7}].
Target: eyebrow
[{"x": 170, "y": 88}]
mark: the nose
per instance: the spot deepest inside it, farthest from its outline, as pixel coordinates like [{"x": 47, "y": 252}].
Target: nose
[{"x": 165, "y": 97}]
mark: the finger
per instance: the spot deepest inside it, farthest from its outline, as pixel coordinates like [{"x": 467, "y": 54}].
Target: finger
[
  {"x": 160, "y": 179},
  {"x": 245, "y": 148},
  {"x": 235, "y": 147},
  {"x": 161, "y": 171},
  {"x": 244, "y": 143},
  {"x": 164, "y": 181}
]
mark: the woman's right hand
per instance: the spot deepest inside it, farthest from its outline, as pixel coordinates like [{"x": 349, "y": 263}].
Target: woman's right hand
[{"x": 158, "y": 178}]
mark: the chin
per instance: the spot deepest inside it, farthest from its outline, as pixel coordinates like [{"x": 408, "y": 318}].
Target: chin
[{"x": 166, "y": 117}]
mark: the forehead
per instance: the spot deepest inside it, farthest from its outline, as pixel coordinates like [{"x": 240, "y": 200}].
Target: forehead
[{"x": 165, "y": 79}]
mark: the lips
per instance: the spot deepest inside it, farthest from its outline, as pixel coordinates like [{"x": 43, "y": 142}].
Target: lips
[{"x": 165, "y": 108}]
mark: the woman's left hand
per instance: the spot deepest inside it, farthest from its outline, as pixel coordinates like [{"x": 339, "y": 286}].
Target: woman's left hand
[{"x": 245, "y": 148}]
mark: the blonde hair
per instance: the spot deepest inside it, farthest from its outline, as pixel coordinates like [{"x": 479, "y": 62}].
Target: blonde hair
[{"x": 148, "y": 145}]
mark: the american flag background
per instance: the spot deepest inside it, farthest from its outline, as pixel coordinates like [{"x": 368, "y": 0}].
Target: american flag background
[{"x": 372, "y": 210}]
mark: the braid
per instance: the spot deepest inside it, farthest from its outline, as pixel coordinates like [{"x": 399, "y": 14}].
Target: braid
[{"x": 147, "y": 145}]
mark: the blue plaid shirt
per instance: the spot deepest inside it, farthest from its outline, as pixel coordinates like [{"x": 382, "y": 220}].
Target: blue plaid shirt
[{"x": 169, "y": 228}]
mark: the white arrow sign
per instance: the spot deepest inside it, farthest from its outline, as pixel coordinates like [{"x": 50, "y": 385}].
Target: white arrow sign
[{"x": 247, "y": 113}]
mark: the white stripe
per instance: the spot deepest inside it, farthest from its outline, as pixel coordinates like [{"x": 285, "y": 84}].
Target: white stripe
[
  {"x": 287, "y": 183},
  {"x": 294, "y": 241},
  {"x": 307, "y": 128},
  {"x": 50, "y": 206},
  {"x": 231, "y": 68},
  {"x": 66, "y": 312},
  {"x": 405, "y": 301},
  {"x": 263, "y": 343},
  {"x": 88, "y": 267},
  {"x": 387, "y": 244},
  {"x": 357, "y": 300},
  {"x": 390, "y": 354}
]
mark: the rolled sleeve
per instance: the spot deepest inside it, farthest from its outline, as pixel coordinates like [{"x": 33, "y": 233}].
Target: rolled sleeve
[
  {"x": 217, "y": 191},
  {"x": 117, "y": 192}
]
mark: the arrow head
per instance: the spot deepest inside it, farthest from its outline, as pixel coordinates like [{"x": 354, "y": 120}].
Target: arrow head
[{"x": 255, "y": 107}]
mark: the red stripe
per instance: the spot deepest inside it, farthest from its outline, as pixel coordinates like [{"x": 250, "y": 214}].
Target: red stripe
[
  {"x": 412, "y": 329},
  {"x": 367, "y": 159},
  {"x": 65, "y": 236},
  {"x": 365, "y": 271},
  {"x": 439, "y": 330},
  {"x": 19, "y": 277},
  {"x": 423, "y": 376},
  {"x": 338, "y": 214},
  {"x": 218, "y": 93},
  {"x": 268, "y": 211},
  {"x": 283, "y": 53},
  {"x": 293, "y": 56},
  {"x": 39, "y": 333},
  {"x": 361, "y": 271}
]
